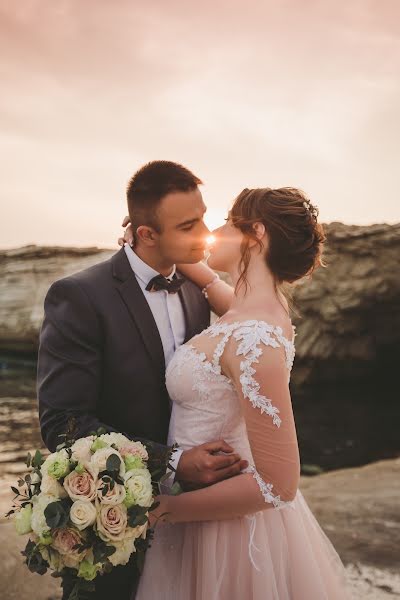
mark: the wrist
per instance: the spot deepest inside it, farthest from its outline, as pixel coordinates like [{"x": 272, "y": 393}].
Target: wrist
[{"x": 213, "y": 281}]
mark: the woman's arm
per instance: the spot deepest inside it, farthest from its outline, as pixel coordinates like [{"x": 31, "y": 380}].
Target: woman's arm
[
  {"x": 219, "y": 293},
  {"x": 259, "y": 372}
]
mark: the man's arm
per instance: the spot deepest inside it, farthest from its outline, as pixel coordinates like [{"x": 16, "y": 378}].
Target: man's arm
[{"x": 69, "y": 364}]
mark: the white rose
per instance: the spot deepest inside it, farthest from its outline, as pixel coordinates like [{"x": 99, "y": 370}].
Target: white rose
[
  {"x": 123, "y": 551},
  {"x": 83, "y": 514},
  {"x": 81, "y": 450},
  {"x": 38, "y": 520},
  {"x": 116, "y": 495},
  {"x": 51, "y": 487},
  {"x": 138, "y": 487},
  {"x": 115, "y": 438},
  {"x": 99, "y": 460}
]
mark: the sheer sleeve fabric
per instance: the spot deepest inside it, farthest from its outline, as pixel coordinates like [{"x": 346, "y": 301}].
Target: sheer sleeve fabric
[{"x": 260, "y": 374}]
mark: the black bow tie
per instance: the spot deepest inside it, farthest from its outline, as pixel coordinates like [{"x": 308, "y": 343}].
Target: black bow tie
[{"x": 162, "y": 283}]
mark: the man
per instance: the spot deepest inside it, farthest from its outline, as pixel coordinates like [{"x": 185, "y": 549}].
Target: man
[{"x": 110, "y": 331}]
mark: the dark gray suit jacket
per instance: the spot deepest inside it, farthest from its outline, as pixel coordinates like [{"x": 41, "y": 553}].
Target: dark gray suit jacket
[{"x": 101, "y": 361}]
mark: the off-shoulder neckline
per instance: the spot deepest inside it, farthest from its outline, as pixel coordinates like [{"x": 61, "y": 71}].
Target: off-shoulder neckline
[{"x": 248, "y": 322}]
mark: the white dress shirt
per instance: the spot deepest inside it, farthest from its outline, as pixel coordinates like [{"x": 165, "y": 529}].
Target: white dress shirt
[{"x": 168, "y": 314}]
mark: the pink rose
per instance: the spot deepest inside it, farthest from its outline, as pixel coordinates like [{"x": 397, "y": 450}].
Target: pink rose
[
  {"x": 135, "y": 449},
  {"x": 116, "y": 495},
  {"x": 80, "y": 486},
  {"x": 112, "y": 522},
  {"x": 64, "y": 541}
]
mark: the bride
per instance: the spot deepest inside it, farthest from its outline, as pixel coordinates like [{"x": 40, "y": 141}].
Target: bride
[{"x": 251, "y": 537}]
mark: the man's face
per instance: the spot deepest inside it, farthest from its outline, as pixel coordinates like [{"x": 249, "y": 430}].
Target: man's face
[{"x": 183, "y": 232}]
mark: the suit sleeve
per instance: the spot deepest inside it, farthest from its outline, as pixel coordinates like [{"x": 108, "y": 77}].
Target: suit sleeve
[{"x": 69, "y": 364}]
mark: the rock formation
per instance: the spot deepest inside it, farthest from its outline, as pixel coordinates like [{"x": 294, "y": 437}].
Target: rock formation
[{"x": 344, "y": 383}]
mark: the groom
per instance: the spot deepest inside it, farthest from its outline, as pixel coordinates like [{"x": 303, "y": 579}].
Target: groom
[{"x": 110, "y": 331}]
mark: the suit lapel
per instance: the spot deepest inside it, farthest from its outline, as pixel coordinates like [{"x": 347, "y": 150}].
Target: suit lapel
[{"x": 138, "y": 308}]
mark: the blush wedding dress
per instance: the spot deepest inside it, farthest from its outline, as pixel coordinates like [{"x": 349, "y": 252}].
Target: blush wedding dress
[{"x": 280, "y": 553}]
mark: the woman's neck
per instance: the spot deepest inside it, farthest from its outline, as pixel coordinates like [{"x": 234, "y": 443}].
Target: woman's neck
[{"x": 261, "y": 290}]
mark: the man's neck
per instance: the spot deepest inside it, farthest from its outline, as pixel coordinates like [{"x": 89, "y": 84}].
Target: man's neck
[{"x": 155, "y": 262}]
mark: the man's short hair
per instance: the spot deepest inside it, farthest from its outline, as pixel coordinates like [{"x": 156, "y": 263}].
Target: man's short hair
[{"x": 151, "y": 184}]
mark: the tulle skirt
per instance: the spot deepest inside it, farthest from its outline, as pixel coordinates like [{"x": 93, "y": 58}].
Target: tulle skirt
[{"x": 271, "y": 555}]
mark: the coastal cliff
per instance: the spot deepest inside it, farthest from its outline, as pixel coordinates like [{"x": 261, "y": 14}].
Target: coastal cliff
[{"x": 344, "y": 384}]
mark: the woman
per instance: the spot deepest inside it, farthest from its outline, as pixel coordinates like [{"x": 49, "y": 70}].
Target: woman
[{"x": 251, "y": 536}]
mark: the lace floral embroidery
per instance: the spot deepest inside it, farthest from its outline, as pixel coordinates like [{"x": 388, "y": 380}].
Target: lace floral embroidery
[
  {"x": 266, "y": 490},
  {"x": 203, "y": 370},
  {"x": 250, "y": 335}
]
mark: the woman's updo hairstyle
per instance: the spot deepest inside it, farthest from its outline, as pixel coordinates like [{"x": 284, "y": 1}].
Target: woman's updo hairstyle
[{"x": 295, "y": 237}]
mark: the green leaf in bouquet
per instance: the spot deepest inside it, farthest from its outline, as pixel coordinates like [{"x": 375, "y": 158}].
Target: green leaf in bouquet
[
  {"x": 57, "y": 514},
  {"x": 28, "y": 459},
  {"x": 38, "y": 459},
  {"x": 33, "y": 558},
  {"x": 113, "y": 463},
  {"x": 15, "y": 490},
  {"x": 101, "y": 551},
  {"x": 101, "y": 431},
  {"x": 21, "y": 482},
  {"x": 139, "y": 520},
  {"x": 137, "y": 515}
]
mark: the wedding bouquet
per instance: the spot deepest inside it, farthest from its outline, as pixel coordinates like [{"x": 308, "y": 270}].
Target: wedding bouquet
[{"x": 86, "y": 508}]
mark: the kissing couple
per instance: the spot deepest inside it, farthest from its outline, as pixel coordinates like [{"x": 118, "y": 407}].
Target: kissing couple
[{"x": 127, "y": 345}]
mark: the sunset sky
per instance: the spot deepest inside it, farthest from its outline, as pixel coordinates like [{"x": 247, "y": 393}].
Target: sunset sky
[{"x": 303, "y": 93}]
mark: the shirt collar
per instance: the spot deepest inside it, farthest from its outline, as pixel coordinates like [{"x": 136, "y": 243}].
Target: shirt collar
[{"x": 141, "y": 269}]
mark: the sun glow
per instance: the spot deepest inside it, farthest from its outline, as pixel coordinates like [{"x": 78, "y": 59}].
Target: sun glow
[{"x": 210, "y": 240}]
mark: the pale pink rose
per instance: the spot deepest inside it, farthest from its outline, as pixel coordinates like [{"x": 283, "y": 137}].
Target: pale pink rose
[
  {"x": 113, "y": 496},
  {"x": 81, "y": 486},
  {"x": 135, "y": 449},
  {"x": 112, "y": 522},
  {"x": 64, "y": 541}
]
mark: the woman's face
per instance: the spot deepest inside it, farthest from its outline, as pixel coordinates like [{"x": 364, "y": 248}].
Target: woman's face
[{"x": 224, "y": 251}]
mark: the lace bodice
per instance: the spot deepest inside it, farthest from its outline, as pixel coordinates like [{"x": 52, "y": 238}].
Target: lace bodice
[{"x": 208, "y": 405}]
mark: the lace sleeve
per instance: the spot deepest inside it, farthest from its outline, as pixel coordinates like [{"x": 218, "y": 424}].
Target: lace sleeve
[{"x": 260, "y": 361}]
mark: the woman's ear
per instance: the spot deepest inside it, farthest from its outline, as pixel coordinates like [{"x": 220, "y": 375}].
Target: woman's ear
[
  {"x": 146, "y": 235},
  {"x": 259, "y": 229}
]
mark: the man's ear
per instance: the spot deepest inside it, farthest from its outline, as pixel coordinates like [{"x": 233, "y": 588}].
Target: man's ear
[{"x": 146, "y": 235}]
